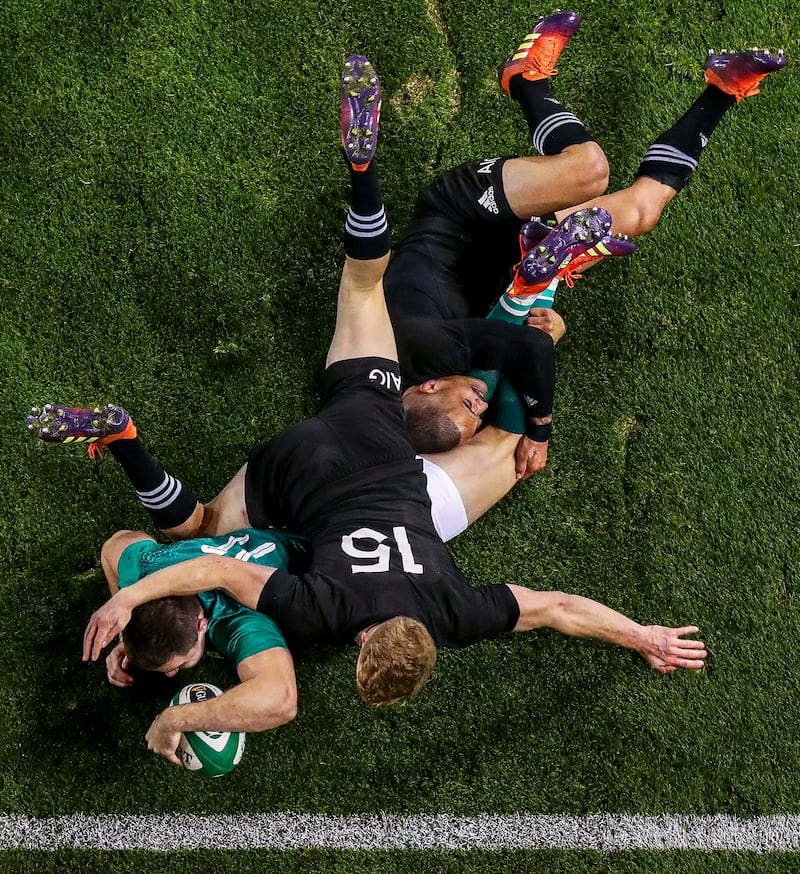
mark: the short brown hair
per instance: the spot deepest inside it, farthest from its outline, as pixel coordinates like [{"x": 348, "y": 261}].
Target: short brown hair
[
  {"x": 395, "y": 662},
  {"x": 431, "y": 430},
  {"x": 160, "y": 630}
]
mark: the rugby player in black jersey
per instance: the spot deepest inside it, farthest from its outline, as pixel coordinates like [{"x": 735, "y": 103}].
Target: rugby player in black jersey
[
  {"x": 349, "y": 479},
  {"x": 454, "y": 259}
]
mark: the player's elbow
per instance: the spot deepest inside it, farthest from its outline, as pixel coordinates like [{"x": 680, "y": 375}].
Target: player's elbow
[
  {"x": 288, "y": 710},
  {"x": 541, "y": 609},
  {"x": 556, "y": 610},
  {"x": 282, "y": 707}
]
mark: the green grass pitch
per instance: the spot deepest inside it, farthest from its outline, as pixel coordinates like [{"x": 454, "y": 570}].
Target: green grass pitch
[{"x": 171, "y": 210}]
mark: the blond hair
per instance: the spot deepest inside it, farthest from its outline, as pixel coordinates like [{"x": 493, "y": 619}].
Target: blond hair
[{"x": 395, "y": 662}]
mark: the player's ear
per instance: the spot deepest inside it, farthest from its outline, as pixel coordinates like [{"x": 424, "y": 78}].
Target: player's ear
[
  {"x": 202, "y": 624},
  {"x": 429, "y": 386}
]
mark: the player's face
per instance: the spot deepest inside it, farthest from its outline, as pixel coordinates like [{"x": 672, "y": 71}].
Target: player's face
[
  {"x": 188, "y": 660},
  {"x": 465, "y": 403}
]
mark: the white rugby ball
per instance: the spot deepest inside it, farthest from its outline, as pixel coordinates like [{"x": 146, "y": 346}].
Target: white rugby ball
[{"x": 210, "y": 753}]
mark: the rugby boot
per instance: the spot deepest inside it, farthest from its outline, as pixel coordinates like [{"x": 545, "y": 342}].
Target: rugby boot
[
  {"x": 552, "y": 257},
  {"x": 361, "y": 110},
  {"x": 538, "y": 53},
  {"x": 740, "y": 73},
  {"x": 532, "y": 232},
  {"x": 609, "y": 247},
  {"x": 100, "y": 425}
]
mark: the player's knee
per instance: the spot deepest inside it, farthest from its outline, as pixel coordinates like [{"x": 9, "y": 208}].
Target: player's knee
[
  {"x": 594, "y": 171},
  {"x": 194, "y": 526}
]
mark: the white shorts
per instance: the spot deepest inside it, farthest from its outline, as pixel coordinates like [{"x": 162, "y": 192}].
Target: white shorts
[{"x": 447, "y": 508}]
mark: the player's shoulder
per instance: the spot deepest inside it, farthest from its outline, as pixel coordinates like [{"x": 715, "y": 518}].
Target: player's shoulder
[{"x": 365, "y": 374}]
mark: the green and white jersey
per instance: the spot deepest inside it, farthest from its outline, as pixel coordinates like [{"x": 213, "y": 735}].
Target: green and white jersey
[{"x": 234, "y": 631}]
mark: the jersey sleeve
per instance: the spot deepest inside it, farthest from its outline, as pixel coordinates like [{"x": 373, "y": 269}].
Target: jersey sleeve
[
  {"x": 237, "y": 632},
  {"x": 473, "y": 614},
  {"x": 525, "y": 356},
  {"x": 129, "y": 565}
]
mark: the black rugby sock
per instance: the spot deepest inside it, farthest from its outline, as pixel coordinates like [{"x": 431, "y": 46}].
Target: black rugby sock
[
  {"x": 366, "y": 230},
  {"x": 551, "y": 126},
  {"x": 165, "y": 498},
  {"x": 674, "y": 155}
]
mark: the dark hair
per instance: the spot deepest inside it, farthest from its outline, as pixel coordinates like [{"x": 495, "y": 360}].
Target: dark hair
[
  {"x": 431, "y": 430},
  {"x": 161, "y": 630}
]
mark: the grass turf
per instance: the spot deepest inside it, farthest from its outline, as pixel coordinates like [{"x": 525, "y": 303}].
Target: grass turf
[{"x": 171, "y": 204}]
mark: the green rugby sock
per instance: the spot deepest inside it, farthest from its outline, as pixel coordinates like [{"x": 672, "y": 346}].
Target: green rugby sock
[
  {"x": 516, "y": 309},
  {"x": 506, "y": 411}
]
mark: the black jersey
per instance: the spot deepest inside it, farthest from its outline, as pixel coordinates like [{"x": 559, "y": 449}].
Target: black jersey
[
  {"x": 455, "y": 258},
  {"x": 349, "y": 479},
  {"x": 430, "y": 348}
]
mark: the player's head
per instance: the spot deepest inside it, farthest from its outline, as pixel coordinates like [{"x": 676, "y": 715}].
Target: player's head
[
  {"x": 166, "y": 635},
  {"x": 441, "y": 413},
  {"x": 396, "y": 660}
]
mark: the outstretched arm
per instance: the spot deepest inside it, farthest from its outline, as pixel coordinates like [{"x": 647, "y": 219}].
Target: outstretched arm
[
  {"x": 664, "y": 649},
  {"x": 266, "y": 698},
  {"x": 241, "y": 580}
]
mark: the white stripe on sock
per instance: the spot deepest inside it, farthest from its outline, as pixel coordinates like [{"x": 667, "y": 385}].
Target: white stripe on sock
[
  {"x": 509, "y": 306},
  {"x": 669, "y": 155},
  {"x": 550, "y": 124},
  {"x": 366, "y": 226},
  {"x": 162, "y": 496}
]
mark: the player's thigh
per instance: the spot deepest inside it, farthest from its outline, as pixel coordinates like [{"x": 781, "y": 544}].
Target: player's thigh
[{"x": 227, "y": 511}]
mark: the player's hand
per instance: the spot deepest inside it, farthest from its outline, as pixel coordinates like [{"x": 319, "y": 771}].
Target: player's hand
[
  {"x": 547, "y": 320},
  {"x": 530, "y": 457},
  {"x": 117, "y": 668},
  {"x": 666, "y": 649},
  {"x": 105, "y": 624},
  {"x": 162, "y": 738}
]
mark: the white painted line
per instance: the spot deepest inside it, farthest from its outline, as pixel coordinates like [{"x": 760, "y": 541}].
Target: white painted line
[{"x": 293, "y": 831}]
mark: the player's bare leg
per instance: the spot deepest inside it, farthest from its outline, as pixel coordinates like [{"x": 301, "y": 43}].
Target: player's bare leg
[
  {"x": 570, "y": 166},
  {"x": 672, "y": 158},
  {"x": 537, "y": 184},
  {"x": 634, "y": 210},
  {"x": 363, "y": 328},
  {"x": 482, "y": 469},
  {"x": 171, "y": 505}
]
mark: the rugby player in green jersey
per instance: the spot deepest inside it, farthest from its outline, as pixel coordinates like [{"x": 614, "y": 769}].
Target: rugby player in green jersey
[{"x": 174, "y": 633}]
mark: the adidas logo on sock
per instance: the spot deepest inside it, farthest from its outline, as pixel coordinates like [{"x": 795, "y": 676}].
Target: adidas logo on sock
[{"x": 487, "y": 200}]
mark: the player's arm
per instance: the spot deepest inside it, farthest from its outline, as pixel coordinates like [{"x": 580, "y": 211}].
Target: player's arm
[
  {"x": 241, "y": 580},
  {"x": 526, "y": 358},
  {"x": 265, "y": 698},
  {"x": 664, "y": 649},
  {"x": 117, "y": 660}
]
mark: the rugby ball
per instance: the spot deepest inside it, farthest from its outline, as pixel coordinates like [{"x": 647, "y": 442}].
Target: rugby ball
[{"x": 210, "y": 753}]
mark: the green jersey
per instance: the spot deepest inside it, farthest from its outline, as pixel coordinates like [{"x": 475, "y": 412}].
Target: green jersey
[{"x": 234, "y": 631}]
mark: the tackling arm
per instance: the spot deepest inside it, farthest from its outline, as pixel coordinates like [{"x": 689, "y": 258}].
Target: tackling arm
[
  {"x": 117, "y": 660},
  {"x": 664, "y": 649},
  {"x": 241, "y": 580},
  {"x": 266, "y": 698}
]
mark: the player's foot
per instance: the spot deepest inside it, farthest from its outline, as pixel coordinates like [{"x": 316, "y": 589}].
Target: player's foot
[
  {"x": 537, "y": 55},
  {"x": 101, "y": 425},
  {"x": 361, "y": 110},
  {"x": 553, "y": 257},
  {"x": 609, "y": 247},
  {"x": 532, "y": 232},
  {"x": 740, "y": 73}
]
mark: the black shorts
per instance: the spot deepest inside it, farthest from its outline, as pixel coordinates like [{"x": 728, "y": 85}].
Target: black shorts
[
  {"x": 311, "y": 472},
  {"x": 455, "y": 258}
]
